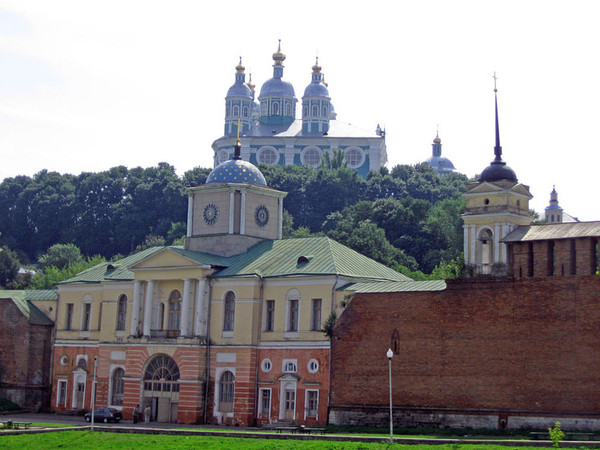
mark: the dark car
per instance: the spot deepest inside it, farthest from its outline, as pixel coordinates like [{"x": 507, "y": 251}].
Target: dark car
[{"x": 104, "y": 415}]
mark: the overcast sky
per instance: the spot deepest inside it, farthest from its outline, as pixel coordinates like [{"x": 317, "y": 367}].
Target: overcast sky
[{"x": 85, "y": 86}]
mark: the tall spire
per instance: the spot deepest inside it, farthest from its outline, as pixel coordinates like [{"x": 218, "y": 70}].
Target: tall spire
[{"x": 497, "y": 148}]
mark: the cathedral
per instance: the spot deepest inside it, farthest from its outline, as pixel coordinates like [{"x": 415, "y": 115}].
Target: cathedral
[
  {"x": 226, "y": 329},
  {"x": 270, "y": 132}
]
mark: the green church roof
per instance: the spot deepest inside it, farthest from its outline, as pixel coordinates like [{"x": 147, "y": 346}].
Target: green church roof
[{"x": 268, "y": 259}]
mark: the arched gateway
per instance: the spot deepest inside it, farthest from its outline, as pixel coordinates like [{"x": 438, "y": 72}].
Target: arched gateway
[{"x": 161, "y": 388}]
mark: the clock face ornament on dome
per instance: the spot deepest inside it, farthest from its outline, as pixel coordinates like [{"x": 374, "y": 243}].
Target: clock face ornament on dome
[
  {"x": 261, "y": 215},
  {"x": 210, "y": 214}
]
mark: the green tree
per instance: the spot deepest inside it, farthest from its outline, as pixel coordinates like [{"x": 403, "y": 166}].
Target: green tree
[
  {"x": 60, "y": 256},
  {"x": 47, "y": 278},
  {"x": 9, "y": 267},
  {"x": 334, "y": 160},
  {"x": 556, "y": 435}
]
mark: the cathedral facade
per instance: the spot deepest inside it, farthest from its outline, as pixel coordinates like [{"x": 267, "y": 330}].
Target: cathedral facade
[
  {"x": 271, "y": 132},
  {"x": 225, "y": 329}
]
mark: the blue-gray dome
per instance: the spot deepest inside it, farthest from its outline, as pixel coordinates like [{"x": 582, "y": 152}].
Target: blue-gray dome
[
  {"x": 236, "y": 171},
  {"x": 316, "y": 90},
  {"x": 239, "y": 90},
  {"x": 276, "y": 87},
  {"x": 440, "y": 164},
  {"x": 498, "y": 170}
]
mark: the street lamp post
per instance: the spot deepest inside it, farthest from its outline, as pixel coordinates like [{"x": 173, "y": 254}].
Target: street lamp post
[
  {"x": 389, "y": 354},
  {"x": 94, "y": 391}
]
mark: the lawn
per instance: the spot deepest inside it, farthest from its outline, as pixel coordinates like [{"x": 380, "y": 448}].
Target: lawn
[{"x": 82, "y": 440}]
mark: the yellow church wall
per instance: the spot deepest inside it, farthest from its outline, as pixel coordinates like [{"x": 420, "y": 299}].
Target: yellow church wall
[{"x": 221, "y": 200}]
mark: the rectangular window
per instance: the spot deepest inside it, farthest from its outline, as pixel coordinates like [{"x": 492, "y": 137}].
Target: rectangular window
[
  {"x": 122, "y": 312},
  {"x": 69, "y": 317},
  {"x": 87, "y": 312},
  {"x": 270, "y": 315},
  {"x": 315, "y": 322},
  {"x": 312, "y": 403},
  {"x": 265, "y": 402},
  {"x": 293, "y": 316},
  {"x": 61, "y": 398}
]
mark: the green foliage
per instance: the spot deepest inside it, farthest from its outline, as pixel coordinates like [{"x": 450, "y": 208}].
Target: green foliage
[
  {"x": 7, "y": 405},
  {"x": 329, "y": 324},
  {"x": 9, "y": 267},
  {"x": 47, "y": 278},
  {"x": 151, "y": 240},
  {"x": 556, "y": 435},
  {"x": 60, "y": 256},
  {"x": 334, "y": 160},
  {"x": 177, "y": 233},
  {"x": 302, "y": 232}
]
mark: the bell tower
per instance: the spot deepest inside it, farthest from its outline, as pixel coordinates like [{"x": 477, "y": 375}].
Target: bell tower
[{"x": 495, "y": 205}]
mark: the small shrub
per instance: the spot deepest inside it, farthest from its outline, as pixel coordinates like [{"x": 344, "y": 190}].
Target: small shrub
[{"x": 556, "y": 435}]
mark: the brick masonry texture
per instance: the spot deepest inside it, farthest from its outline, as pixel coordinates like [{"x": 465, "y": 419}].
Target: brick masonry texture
[{"x": 525, "y": 347}]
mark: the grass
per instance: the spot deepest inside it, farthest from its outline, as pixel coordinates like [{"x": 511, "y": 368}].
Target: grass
[{"x": 82, "y": 440}]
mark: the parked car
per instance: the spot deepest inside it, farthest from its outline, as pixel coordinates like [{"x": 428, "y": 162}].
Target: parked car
[{"x": 104, "y": 415}]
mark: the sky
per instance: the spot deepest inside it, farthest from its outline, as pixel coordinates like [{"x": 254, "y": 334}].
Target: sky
[{"x": 88, "y": 85}]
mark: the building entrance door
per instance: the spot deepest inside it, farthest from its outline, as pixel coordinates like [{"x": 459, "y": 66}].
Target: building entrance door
[
  {"x": 290, "y": 404},
  {"x": 79, "y": 395}
]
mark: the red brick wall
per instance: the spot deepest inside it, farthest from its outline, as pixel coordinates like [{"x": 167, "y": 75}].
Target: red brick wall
[
  {"x": 24, "y": 358},
  {"x": 528, "y": 345}
]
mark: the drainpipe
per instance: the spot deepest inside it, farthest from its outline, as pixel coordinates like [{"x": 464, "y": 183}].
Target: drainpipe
[
  {"x": 207, "y": 375},
  {"x": 329, "y": 380},
  {"x": 260, "y": 310}
]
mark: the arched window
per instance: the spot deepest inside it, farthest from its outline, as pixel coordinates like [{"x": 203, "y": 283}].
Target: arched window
[
  {"x": 293, "y": 310},
  {"x": 236, "y": 111},
  {"x": 162, "y": 375},
  {"x": 226, "y": 391},
  {"x": 485, "y": 251},
  {"x": 245, "y": 111},
  {"x": 229, "y": 312},
  {"x": 315, "y": 111},
  {"x": 275, "y": 109},
  {"x": 288, "y": 109},
  {"x": 305, "y": 110},
  {"x": 324, "y": 111},
  {"x": 118, "y": 387},
  {"x": 121, "y": 312},
  {"x": 174, "y": 310}
]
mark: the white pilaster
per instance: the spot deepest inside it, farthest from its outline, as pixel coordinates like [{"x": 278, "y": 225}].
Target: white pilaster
[
  {"x": 466, "y": 253},
  {"x": 190, "y": 215},
  {"x": 185, "y": 307},
  {"x": 473, "y": 234},
  {"x": 231, "y": 211},
  {"x": 148, "y": 307},
  {"x": 135, "y": 308},
  {"x": 243, "y": 213},
  {"x": 200, "y": 313}
]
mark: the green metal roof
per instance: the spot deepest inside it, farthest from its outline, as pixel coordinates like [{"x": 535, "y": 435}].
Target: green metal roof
[
  {"x": 395, "y": 286},
  {"x": 306, "y": 256},
  {"x": 22, "y": 299},
  {"x": 269, "y": 258}
]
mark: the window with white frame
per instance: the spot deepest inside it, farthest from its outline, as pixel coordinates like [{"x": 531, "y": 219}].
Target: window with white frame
[
  {"x": 313, "y": 366},
  {"x": 315, "y": 318},
  {"x": 311, "y": 156},
  {"x": 229, "y": 311},
  {"x": 61, "y": 393},
  {"x": 175, "y": 310},
  {"x": 69, "y": 317},
  {"x": 312, "y": 403},
  {"x": 266, "y": 365},
  {"x": 222, "y": 156},
  {"x": 354, "y": 156},
  {"x": 293, "y": 314},
  {"x": 270, "y": 315},
  {"x": 290, "y": 366},
  {"x": 267, "y": 155},
  {"x": 265, "y": 402},
  {"x": 121, "y": 312},
  {"x": 226, "y": 391},
  {"x": 118, "y": 387},
  {"x": 87, "y": 315}
]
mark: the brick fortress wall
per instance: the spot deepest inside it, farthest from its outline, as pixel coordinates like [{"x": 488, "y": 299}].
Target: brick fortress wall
[{"x": 487, "y": 351}]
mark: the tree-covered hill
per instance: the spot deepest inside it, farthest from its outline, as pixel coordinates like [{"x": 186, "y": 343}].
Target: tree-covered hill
[{"x": 407, "y": 215}]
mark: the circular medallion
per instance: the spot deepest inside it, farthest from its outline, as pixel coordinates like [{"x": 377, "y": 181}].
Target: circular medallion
[
  {"x": 261, "y": 215},
  {"x": 210, "y": 214}
]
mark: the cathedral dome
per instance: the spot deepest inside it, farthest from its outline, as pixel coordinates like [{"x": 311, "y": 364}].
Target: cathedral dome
[
  {"x": 239, "y": 90},
  {"x": 236, "y": 170},
  {"x": 496, "y": 171},
  {"x": 276, "y": 87},
  {"x": 316, "y": 90}
]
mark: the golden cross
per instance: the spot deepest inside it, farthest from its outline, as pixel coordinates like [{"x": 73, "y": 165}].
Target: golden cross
[{"x": 238, "y": 130}]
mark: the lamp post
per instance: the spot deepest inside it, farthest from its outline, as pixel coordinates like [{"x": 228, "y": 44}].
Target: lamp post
[
  {"x": 389, "y": 354},
  {"x": 94, "y": 392}
]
